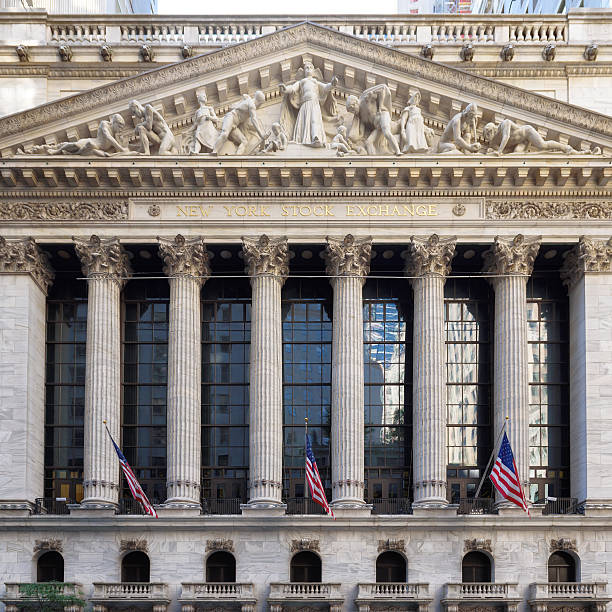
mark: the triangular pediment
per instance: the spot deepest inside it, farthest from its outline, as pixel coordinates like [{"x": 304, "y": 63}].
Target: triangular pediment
[{"x": 264, "y": 63}]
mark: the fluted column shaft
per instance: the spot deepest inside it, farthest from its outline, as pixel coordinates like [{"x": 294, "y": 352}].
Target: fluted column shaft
[
  {"x": 106, "y": 266},
  {"x": 427, "y": 265},
  {"x": 267, "y": 265},
  {"x": 187, "y": 267}
]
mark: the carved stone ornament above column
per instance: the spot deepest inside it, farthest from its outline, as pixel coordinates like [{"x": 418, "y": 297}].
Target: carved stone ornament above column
[
  {"x": 429, "y": 256},
  {"x": 477, "y": 544},
  {"x": 587, "y": 256},
  {"x": 220, "y": 544},
  {"x": 397, "y": 545},
  {"x": 24, "y": 257},
  {"x": 512, "y": 257},
  {"x": 45, "y": 545},
  {"x": 265, "y": 256},
  {"x": 130, "y": 545},
  {"x": 185, "y": 257},
  {"x": 348, "y": 256},
  {"x": 563, "y": 544},
  {"x": 103, "y": 257},
  {"x": 305, "y": 544}
]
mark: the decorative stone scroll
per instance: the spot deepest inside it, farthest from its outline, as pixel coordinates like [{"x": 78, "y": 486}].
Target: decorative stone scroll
[
  {"x": 563, "y": 209},
  {"x": 24, "y": 257},
  {"x": 103, "y": 257},
  {"x": 305, "y": 544},
  {"x": 512, "y": 257},
  {"x": 51, "y": 544},
  {"x": 587, "y": 256},
  {"x": 428, "y": 256},
  {"x": 348, "y": 256},
  {"x": 130, "y": 545},
  {"x": 396, "y": 545},
  {"x": 563, "y": 544},
  {"x": 477, "y": 544},
  {"x": 185, "y": 257},
  {"x": 220, "y": 544},
  {"x": 59, "y": 211},
  {"x": 266, "y": 256}
]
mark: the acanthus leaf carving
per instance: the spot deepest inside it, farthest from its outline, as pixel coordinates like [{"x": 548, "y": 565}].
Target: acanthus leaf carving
[
  {"x": 512, "y": 257},
  {"x": 431, "y": 255},
  {"x": 52, "y": 211},
  {"x": 103, "y": 257},
  {"x": 396, "y": 545},
  {"x": 265, "y": 256},
  {"x": 477, "y": 544},
  {"x": 185, "y": 257},
  {"x": 305, "y": 544},
  {"x": 25, "y": 257},
  {"x": 563, "y": 209},
  {"x": 587, "y": 256},
  {"x": 348, "y": 256},
  {"x": 50, "y": 544},
  {"x": 220, "y": 544}
]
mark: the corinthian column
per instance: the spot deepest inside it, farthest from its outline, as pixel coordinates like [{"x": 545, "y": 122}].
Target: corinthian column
[
  {"x": 427, "y": 265},
  {"x": 267, "y": 264},
  {"x": 187, "y": 268},
  {"x": 106, "y": 266},
  {"x": 348, "y": 263},
  {"x": 511, "y": 263}
]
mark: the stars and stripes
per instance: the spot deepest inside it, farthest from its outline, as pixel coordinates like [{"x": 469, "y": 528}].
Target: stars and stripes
[
  {"x": 314, "y": 480},
  {"x": 135, "y": 488},
  {"x": 504, "y": 476}
]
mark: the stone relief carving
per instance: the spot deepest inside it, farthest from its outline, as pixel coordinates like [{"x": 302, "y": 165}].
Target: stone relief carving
[
  {"x": 23, "y": 53},
  {"x": 587, "y": 256},
  {"x": 415, "y": 137},
  {"x": 220, "y": 544},
  {"x": 151, "y": 130},
  {"x": 348, "y": 256},
  {"x": 467, "y": 52},
  {"x": 185, "y": 257},
  {"x": 590, "y": 53},
  {"x": 266, "y": 256},
  {"x": 51, "y": 544},
  {"x": 515, "y": 256},
  {"x": 477, "y": 544},
  {"x": 563, "y": 544},
  {"x": 205, "y": 123},
  {"x": 24, "y": 256},
  {"x": 305, "y": 104},
  {"x": 340, "y": 143},
  {"x": 582, "y": 608},
  {"x": 549, "y": 210},
  {"x": 147, "y": 54},
  {"x": 397, "y": 545},
  {"x": 549, "y": 52},
  {"x": 65, "y": 53},
  {"x": 460, "y": 133},
  {"x": 187, "y": 51},
  {"x": 427, "y": 51},
  {"x": 57, "y": 211},
  {"x": 129, "y": 545},
  {"x": 507, "y": 52},
  {"x": 278, "y": 140},
  {"x": 106, "y": 51},
  {"x": 103, "y": 257},
  {"x": 431, "y": 255},
  {"x": 305, "y": 544}
]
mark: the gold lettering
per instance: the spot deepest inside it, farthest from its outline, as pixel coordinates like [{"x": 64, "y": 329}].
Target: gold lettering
[
  {"x": 228, "y": 210},
  {"x": 284, "y": 210},
  {"x": 433, "y": 211},
  {"x": 350, "y": 211},
  {"x": 409, "y": 209},
  {"x": 328, "y": 211},
  {"x": 193, "y": 211},
  {"x": 396, "y": 212},
  {"x": 421, "y": 211},
  {"x": 180, "y": 212}
]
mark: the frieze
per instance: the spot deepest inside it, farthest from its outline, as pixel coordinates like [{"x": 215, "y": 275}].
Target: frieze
[
  {"x": 562, "y": 209},
  {"x": 64, "y": 211}
]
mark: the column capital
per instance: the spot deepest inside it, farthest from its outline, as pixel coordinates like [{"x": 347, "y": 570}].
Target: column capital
[
  {"x": 103, "y": 258},
  {"x": 587, "y": 256},
  {"x": 348, "y": 256},
  {"x": 25, "y": 257},
  {"x": 265, "y": 256},
  {"x": 429, "y": 256},
  {"x": 512, "y": 256},
  {"x": 185, "y": 257}
]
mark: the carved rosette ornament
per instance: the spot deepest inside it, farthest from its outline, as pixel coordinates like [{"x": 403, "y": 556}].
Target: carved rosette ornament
[
  {"x": 266, "y": 256},
  {"x": 429, "y": 256},
  {"x": 24, "y": 257},
  {"x": 220, "y": 544},
  {"x": 513, "y": 257},
  {"x": 103, "y": 258},
  {"x": 587, "y": 256},
  {"x": 185, "y": 257},
  {"x": 348, "y": 256}
]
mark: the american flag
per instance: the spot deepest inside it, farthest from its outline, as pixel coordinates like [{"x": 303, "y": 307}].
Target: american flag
[
  {"x": 132, "y": 481},
  {"x": 314, "y": 480},
  {"x": 504, "y": 476}
]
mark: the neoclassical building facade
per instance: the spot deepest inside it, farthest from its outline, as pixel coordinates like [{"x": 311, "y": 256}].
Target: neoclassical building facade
[{"x": 305, "y": 231}]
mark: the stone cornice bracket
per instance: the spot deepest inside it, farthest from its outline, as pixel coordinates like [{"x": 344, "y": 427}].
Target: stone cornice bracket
[
  {"x": 25, "y": 257},
  {"x": 265, "y": 256},
  {"x": 587, "y": 256},
  {"x": 512, "y": 257},
  {"x": 185, "y": 257},
  {"x": 103, "y": 258},
  {"x": 348, "y": 256},
  {"x": 429, "y": 256}
]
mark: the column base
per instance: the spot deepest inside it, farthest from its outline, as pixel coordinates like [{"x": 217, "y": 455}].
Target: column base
[
  {"x": 178, "y": 510},
  {"x": 346, "y": 509},
  {"x": 263, "y": 508},
  {"x": 430, "y": 502},
  {"x": 91, "y": 510},
  {"x": 13, "y": 507},
  {"x": 429, "y": 511}
]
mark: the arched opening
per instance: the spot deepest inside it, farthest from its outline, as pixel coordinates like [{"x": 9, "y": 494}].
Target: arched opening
[
  {"x": 305, "y": 567},
  {"x": 476, "y": 567},
  {"x": 390, "y": 567},
  {"x": 221, "y": 567},
  {"x": 135, "y": 567},
  {"x": 561, "y": 567},
  {"x": 50, "y": 567}
]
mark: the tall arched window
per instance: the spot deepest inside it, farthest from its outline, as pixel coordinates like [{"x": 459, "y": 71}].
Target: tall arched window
[
  {"x": 476, "y": 567},
  {"x": 306, "y": 567},
  {"x": 50, "y": 567},
  {"x": 390, "y": 567},
  {"x": 221, "y": 567},
  {"x": 135, "y": 567},
  {"x": 561, "y": 567}
]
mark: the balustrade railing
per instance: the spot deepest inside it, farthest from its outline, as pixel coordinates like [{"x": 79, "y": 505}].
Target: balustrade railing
[
  {"x": 217, "y": 590},
  {"x": 568, "y": 590},
  {"x": 19, "y": 590},
  {"x": 303, "y": 505},
  {"x": 482, "y": 590},
  {"x": 222, "y": 506},
  {"x": 397, "y": 505},
  {"x": 304, "y": 590},
  {"x": 130, "y": 590},
  {"x": 393, "y": 590},
  {"x": 476, "y": 505},
  {"x": 51, "y": 505}
]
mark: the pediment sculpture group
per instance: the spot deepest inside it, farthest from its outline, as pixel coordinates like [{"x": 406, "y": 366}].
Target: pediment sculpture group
[{"x": 309, "y": 116}]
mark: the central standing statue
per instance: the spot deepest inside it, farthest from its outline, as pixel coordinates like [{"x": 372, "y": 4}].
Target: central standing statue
[{"x": 301, "y": 114}]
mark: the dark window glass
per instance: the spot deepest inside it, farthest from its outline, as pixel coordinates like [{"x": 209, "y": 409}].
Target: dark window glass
[
  {"x": 387, "y": 321},
  {"x": 548, "y": 358},
  {"x": 561, "y": 567},
  {"x": 50, "y": 567},
  {"x": 226, "y": 336},
  {"x": 390, "y": 567},
  {"x": 467, "y": 318},
  {"x": 65, "y": 387},
  {"x": 145, "y": 373},
  {"x": 307, "y": 334},
  {"x": 135, "y": 567},
  {"x": 476, "y": 567},
  {"x": 221, "y": 567},
  {"x": 305, "y": 567}
]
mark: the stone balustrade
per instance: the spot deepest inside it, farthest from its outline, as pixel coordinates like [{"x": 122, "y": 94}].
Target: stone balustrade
[
  {"x": 16, "y": 592},
  {"x": 482, "y": 590},
  {"x": 130, "y": 591},
  {"x": 216, "y": 591},
  {"x": 393, "y": 590},
  {"x": 568, "y": 590},
  {"x": 319, "y": 591}
]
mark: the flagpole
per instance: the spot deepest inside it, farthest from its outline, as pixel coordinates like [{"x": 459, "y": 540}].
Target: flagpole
[
  {"x": 493, "y": 453},
  {"x": 305, "y": 478}
]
